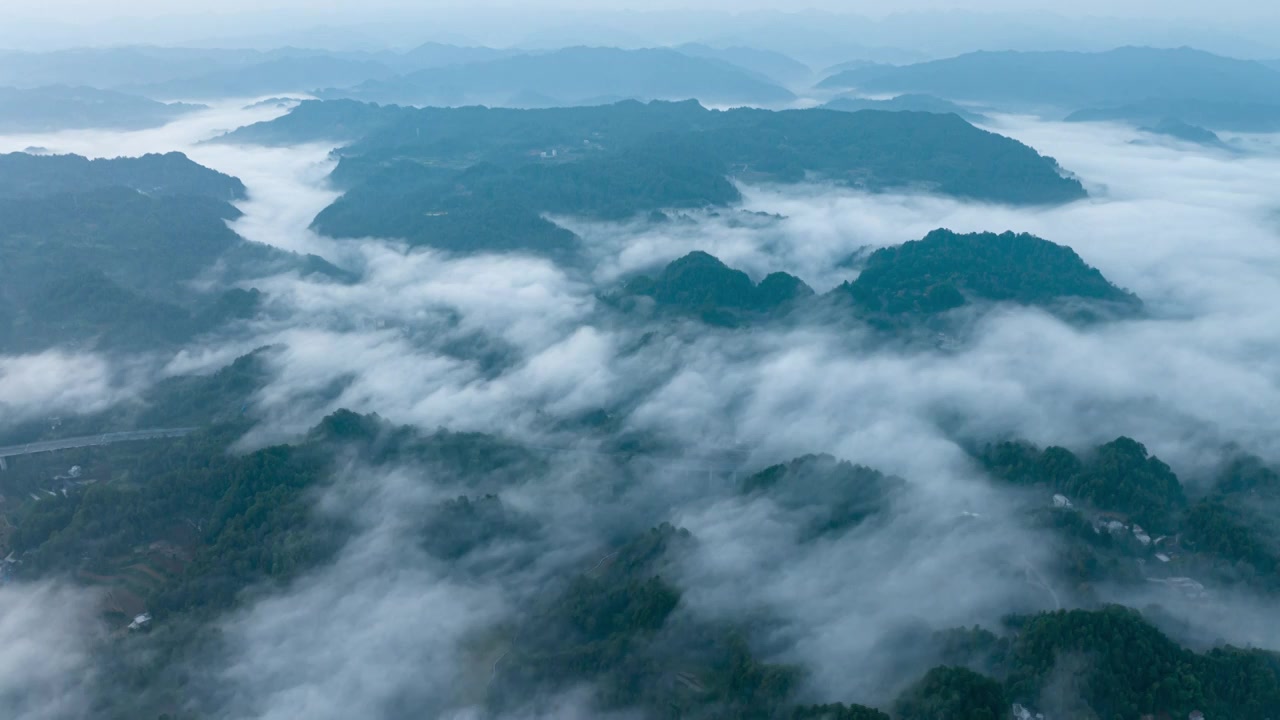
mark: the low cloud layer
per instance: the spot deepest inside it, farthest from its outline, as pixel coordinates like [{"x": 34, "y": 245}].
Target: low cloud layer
[
  {"x": 47, "y": 632},
  {"x": 517, "y": 345},
  {"x": 55, "y": 383}
]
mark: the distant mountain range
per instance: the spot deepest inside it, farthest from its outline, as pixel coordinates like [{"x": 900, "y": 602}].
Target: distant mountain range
[
  {"x": 772, "y": 66},
  {"x": 909, "y": 103},
  {"x": 1071, "y": 80},
  {"x": 49, "y": 109},
  {"x": 282, "y": 75},
  {"x": 1228, "y": 116},
  {"x": 575, "y": 76},
  {"x": 432, "y": 73}
]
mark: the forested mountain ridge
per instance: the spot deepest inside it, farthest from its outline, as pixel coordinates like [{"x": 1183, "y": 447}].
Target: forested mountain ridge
[
  {"x": 112, "y": 267},
  {"x": 480, "y": 178},
  {"x": 701, "y": 286},
  {"x": 944, "y": 270},
  {"x": 914, "y": 281},
  {"x": 30, "y": 176},
  {"x": 876, "y": 150}
]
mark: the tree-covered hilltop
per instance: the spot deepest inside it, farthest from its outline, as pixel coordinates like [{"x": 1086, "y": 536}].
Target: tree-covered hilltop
[
  {"x": 946, "y": 270},
  {"x": 1118, "y": 476},
  {"x": 1127, "y": 517},
  {"x": 699, "y": 285},
  {"x": 1109, "y": 662},
  {"x": 952, "y": 692},
  {"x": 835, "y": 493},
  {"x": 55, "y": 108},
  {"x": 901, "y": 284},
  {"x": 32, "y": 176},
  {"x": 113, "y": 267}
]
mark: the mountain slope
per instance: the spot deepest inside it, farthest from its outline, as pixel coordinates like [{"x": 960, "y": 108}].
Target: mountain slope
[
  {"x": 23, "y": 175},
  {"x": 946, "y": 270}
]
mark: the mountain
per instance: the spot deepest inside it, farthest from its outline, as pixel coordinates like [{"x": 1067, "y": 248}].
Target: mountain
[
  {"x": 913, "y": 103},
  {"x": 853, "y": 65},
  {"x": 946, "y": 270},
  {"x": 1185, "y": 132},
  {"x": 836, "y": 494},
  {"x": 340, "y": 121},
  {"x": 1074, "y": 80},
  {"x": 23, "y": 175},
  {"x": 912, "y": 281},
  {"x": 434, "y": 55},
  {"x": 114, "y": 67},
  {"x": 1263, "y": 117},
  {"x": 772, "y": 66},
  {"x": 113, "y": 267},
  {"x": 470, "y": 179},
  {"x": 278, "y": 76},
  {"x": 575, "y": 76},
  {"x": 701, "y": 286},
  {"x": 54, "y": 108}
]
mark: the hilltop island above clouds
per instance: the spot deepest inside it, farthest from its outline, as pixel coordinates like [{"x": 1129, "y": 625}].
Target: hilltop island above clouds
[{"x": 650, "y": 390}]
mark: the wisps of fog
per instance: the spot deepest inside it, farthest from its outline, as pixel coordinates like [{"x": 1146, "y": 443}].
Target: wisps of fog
[
  {"x": 515, "y": 344},
  {"x": 47, "y": 632},
  {"x": 57, "y": 382},
  {"x": 380, "y": 633}
]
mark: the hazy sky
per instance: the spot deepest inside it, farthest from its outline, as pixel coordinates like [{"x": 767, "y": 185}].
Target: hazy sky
[
  {"x": 79, "y": 10},
  {"x": 1243, "y": 28}
]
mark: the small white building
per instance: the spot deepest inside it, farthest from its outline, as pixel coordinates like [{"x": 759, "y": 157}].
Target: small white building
[
  {"x": 1141, "y": 535},
  {"x": 1061, "y": 501},
  {"x": 140, "y": 621}
]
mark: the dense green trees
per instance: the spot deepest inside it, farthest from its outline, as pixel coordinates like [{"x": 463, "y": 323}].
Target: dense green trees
[
  {"x": 837, "y": 493},
  {"x": 430, "y": 175},
  {"x": 899, "y": 285},
  {"x": 112, "y": 266},
  {"x": 954, "y": 693},
  {"x": 1119, "y": 476},
  {"x": 701, "y": 286},
  {"x": 946, "y": 270}
]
